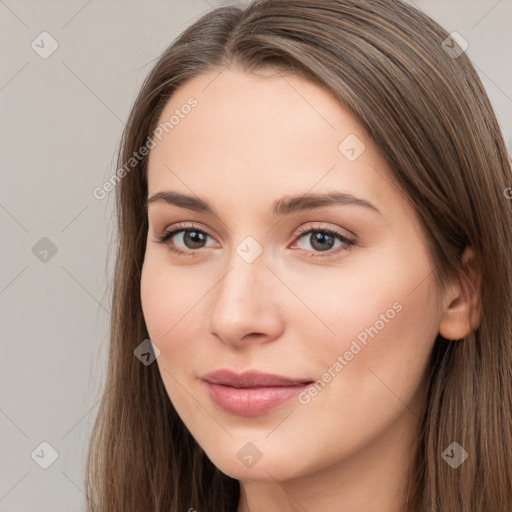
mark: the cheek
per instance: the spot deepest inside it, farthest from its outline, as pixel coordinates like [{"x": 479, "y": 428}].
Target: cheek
[
  {"x": 172, "y": 301},
  {"x": 158, "y": 303},
  {"x": 384, "y": 298},
  {"x": 164, "y": 295},
  {"x": 154, "y": 300},
  {"x": 168, "y": 316},
  {"x": 385, "y": 323},
  {"x": 371, "y": 371}
]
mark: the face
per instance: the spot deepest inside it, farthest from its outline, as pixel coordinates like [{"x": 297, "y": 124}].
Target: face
[{"x": 337, "y": 294}]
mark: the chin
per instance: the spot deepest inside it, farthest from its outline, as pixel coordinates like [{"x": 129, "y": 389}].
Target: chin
[{"x": 270, "y": 468}]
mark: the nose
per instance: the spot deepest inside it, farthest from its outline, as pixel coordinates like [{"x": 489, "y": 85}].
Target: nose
[{"x": 246, "y": 305}]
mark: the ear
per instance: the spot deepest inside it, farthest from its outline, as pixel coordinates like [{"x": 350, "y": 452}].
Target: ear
[{"x": 462, "y": 307}]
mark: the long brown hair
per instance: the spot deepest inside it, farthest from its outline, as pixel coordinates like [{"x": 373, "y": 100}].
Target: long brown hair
[{"x": 429, "y": 115}]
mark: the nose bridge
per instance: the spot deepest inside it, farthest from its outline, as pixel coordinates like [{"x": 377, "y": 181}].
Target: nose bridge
[
  {"x": 243, "y": 303},
  {"x": 247, "y": 267},
  {"x": 243, "y": 285}
]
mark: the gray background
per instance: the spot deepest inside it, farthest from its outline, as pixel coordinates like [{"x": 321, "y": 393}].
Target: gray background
[{"x": 62, "y": 119}]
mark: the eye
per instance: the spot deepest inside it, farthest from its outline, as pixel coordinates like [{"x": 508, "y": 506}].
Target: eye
[
  {"x": 321, "y": 239},
  {"x": 192, "y": 236}
]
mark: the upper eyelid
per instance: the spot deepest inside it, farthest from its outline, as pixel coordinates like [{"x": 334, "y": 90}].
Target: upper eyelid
[{"x": 181, "y": 226}]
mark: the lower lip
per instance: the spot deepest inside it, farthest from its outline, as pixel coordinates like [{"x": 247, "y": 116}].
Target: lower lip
[{"x": 251, "y": 401}]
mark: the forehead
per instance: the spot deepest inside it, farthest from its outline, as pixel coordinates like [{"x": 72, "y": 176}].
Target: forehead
[{"x": 263, "y": 134}]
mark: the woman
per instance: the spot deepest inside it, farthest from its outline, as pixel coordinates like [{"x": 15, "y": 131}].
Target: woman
[{"x": 315, "y": 236}]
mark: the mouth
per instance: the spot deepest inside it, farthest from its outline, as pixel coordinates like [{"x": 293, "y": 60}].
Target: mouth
[
  {"x": 251, "y": 393},
  {"x": 252, "y": 379}
]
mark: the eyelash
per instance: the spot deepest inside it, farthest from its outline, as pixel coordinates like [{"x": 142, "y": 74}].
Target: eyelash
[{"x": 166, "y": 236}]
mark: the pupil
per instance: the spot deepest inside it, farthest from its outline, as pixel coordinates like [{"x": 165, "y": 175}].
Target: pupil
[
  {"x": 195, "y": 237},
  {"x": 323, "y": 240}
]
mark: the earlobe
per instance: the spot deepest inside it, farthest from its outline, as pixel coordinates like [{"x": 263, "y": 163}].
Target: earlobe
[{"x": 463, "y": 310}]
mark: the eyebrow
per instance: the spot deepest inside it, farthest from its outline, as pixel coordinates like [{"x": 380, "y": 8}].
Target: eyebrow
[{"x": 286, "y": 205}]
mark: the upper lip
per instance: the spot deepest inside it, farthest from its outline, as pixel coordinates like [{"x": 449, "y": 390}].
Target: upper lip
[{"x": 251, "y": 379}]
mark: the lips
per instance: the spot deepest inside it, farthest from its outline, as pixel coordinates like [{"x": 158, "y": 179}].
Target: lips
[
  {"x": 252, "y": 379},
  {"x": 251, "y": 393}
]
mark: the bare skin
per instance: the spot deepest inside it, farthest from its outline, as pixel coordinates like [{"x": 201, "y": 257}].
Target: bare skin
[{"x": 251, "y": 140}]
